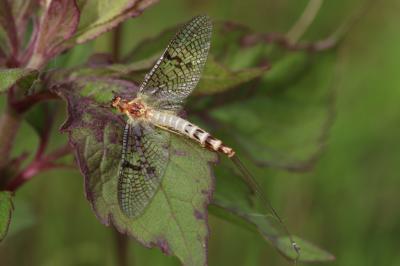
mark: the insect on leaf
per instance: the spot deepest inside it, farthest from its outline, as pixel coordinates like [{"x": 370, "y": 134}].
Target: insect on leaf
[{"x": 176, "y": 218}]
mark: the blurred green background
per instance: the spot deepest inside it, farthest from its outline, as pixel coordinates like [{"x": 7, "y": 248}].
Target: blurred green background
[{"x": 348, "y": 203}]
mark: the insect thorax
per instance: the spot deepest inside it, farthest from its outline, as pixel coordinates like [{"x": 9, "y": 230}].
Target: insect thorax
[{"x": 135, "y": 108}]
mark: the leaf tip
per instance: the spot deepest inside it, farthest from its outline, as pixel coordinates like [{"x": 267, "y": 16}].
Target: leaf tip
[{"x": 163, "y": 245}]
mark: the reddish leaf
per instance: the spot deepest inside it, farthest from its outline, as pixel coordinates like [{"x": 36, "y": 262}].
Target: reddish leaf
[
  {"x": 22, "y": 10},
  {"x": 103, "y": 15},
  {"x": 58, "y": 24}
]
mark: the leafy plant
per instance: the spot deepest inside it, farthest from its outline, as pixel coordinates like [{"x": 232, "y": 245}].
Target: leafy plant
[{"x": 239, "y": 98}]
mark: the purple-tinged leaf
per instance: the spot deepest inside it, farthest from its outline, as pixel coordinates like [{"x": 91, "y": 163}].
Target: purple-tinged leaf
[
  {"x": 58, "y": 23},
  {"x": 176, "y": 219},
  {"x": 22, "y": 11},
  {"x": 6, "y": 209},
  {"x": 100, "y": 16}
]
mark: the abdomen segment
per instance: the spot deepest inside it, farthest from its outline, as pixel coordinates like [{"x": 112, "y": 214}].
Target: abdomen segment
[{"x": 184, "y": 127}]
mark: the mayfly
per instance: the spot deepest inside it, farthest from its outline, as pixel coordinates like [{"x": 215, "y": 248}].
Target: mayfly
[{"x": 160, "y": 97}]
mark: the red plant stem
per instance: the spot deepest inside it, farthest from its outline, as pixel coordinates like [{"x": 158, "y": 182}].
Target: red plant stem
[
  {"x": 39, "y": 164},
  {"x": 60, "y": 152},
  {"x": 33, "y": 168},
  {"x": 9, "y": 124},
  {"x": 26, "y": 103},
  {"x": 10, "y": 121}
]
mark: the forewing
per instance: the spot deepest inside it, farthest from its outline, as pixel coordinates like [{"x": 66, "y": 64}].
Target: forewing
[
  {"x": 178, "y": 70},
  {"x": 144, "y": 160}
]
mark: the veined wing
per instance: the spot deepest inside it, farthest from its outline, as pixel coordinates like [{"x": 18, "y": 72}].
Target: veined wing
[
  {"x": 144, "y": 160},
  {"x": 178, "y": 70}
]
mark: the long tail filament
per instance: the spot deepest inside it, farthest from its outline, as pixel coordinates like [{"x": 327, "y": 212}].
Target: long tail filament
[{"x": 249, "y": 179}]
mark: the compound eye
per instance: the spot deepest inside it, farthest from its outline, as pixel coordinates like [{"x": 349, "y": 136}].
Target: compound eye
[
  {"x": 116, "y": 99},
  {"x": 114, "y": 102}
]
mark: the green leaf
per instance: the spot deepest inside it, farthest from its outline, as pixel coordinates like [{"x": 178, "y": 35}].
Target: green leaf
[
  {"x": 216, "y": 78},
  {"x": 312, "y": 253},
  {"x": 151, "y": 48},
  {"x": 285, "y": 122},
  {"x": 234, "y": 202},
  {"x": 23, "y": 217},
  {"x": 41, "y": 117},
  {"x": 176, "y": 219},
  {"x": 282, "y": 120},
  {"x": 9, "y": 77},
  {"x": 100, "y": 16},
  {"x": 6, "y": 209},
  {"x": 76, "y": 56}
]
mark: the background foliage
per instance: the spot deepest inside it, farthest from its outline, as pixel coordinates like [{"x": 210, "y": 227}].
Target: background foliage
[{"x": 346, "y": 203}]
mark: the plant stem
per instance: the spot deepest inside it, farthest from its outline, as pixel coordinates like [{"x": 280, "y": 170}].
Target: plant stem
[
  {"x": 304, "y": 22},
  {"x": 9, "y": 124},
  {"x": 116, "y": 43},
  {"x": 121, "y": 248},
  {"x": 29, "y": 101},
  {"x": 41, "y": 163}
]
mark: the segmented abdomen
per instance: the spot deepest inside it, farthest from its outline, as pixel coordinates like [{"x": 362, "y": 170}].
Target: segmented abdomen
[{"x": 175, "y": 123}]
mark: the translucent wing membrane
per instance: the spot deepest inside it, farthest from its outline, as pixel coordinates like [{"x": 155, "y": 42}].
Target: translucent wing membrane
[
  {"x": 178, "y": 70},
  {"x": 144, "y": 160}
]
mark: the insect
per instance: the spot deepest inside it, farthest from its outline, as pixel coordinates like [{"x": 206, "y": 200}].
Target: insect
[{"x": 160, "y": 97}]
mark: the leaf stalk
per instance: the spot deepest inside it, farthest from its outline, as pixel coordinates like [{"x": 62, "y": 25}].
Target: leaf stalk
[{"x": 9, "y": 124}]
